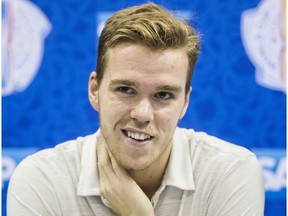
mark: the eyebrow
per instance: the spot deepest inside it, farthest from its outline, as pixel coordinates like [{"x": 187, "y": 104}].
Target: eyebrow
[
  {"x": 123, "y": 82},
  {"x": 170, "y": 88}
]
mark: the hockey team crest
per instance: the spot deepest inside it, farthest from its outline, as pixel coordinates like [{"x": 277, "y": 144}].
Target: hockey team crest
[
  {"x": 25, "y": 27},
  {"x": 263, "y": 35}
]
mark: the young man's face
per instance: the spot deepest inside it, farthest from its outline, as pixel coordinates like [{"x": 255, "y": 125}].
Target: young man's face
[{"x": 140, "y": 100}]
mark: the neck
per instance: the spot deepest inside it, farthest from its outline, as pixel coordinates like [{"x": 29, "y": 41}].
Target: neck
[{"x": 150, "y": 179}]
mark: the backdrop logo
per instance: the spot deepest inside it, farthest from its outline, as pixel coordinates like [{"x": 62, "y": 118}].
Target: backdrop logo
[
  {"x": 25, "y": 27},
  {"x": 263, "y": 36}
]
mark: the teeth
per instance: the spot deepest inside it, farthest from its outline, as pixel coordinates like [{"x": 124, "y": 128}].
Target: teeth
[{"x": 138, "y": 136}]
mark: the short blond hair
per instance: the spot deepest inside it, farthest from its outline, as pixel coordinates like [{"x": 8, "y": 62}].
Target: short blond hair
[{"x": 152, "y": 26}]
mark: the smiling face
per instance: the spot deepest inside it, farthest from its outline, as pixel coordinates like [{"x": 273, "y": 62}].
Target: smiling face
[{"x": 140, "y": 101}]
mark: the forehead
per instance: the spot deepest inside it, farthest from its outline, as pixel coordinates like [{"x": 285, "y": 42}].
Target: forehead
[{"x": 142, "y": 60}]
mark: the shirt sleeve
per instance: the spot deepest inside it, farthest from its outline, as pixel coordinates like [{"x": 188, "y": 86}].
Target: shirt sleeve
[
  {"x": 240, "y": 192},
  {"x": 31, "y": 192}
]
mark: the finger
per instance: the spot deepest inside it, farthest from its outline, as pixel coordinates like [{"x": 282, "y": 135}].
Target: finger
[
  {"x": 105, "y": 154},
  {"x": 116, "y": 167},
  {"x": 105, "y": 168},
  {"x": 102, "y": 154}
]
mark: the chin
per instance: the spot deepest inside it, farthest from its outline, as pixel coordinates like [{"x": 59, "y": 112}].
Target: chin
[{"x": 134, "y": 166}]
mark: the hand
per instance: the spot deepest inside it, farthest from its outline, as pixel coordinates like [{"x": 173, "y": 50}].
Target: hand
[{"x": 125, "y": 197}]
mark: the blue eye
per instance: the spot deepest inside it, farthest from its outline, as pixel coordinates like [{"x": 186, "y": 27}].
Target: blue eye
[{"x": 164, "y": 95}]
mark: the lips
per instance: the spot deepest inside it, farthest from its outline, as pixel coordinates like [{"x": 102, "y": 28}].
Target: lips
[{"x": 138, "y": 136}]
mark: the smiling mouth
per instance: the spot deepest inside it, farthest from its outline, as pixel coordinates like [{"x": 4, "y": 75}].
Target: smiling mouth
[{"x": 140, "y": 137}]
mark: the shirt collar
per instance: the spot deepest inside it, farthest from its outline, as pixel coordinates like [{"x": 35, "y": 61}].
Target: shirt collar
[
  {"x": 88, "y": 180},
  {"x": 179, "y": 171}
]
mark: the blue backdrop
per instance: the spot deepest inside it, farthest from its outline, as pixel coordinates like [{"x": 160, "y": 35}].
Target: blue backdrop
[{"x": 49, "y": 50}]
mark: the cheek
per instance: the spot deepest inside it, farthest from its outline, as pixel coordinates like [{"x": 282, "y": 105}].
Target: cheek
[
  {"x": 112, "y": 109},
  {"x": 173, "y": 113},
  {"x": 168, "y": 117}
]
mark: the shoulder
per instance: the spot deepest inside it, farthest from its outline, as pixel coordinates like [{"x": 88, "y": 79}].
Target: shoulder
[
  {"x": 49, "y": 173},
  {"x": 228, "y": 177},
  {"x": 201, "y": 141},
  {"x": 53, "y": 161},
  {"x": 215, "y": 156}
]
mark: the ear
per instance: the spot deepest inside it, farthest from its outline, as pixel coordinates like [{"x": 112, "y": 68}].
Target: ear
[
  {"x": 184, "y": 109},
  {"x": 93, "y": 90}
]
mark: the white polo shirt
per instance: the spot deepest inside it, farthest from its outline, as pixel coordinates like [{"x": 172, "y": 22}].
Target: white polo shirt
[{"x": 205, "y": 176}]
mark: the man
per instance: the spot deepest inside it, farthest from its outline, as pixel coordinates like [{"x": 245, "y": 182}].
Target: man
[{"x": 139, "y": 162}]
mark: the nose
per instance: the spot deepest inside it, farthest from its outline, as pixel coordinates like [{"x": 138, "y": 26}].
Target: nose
[{"x": 142, "y": 111}]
